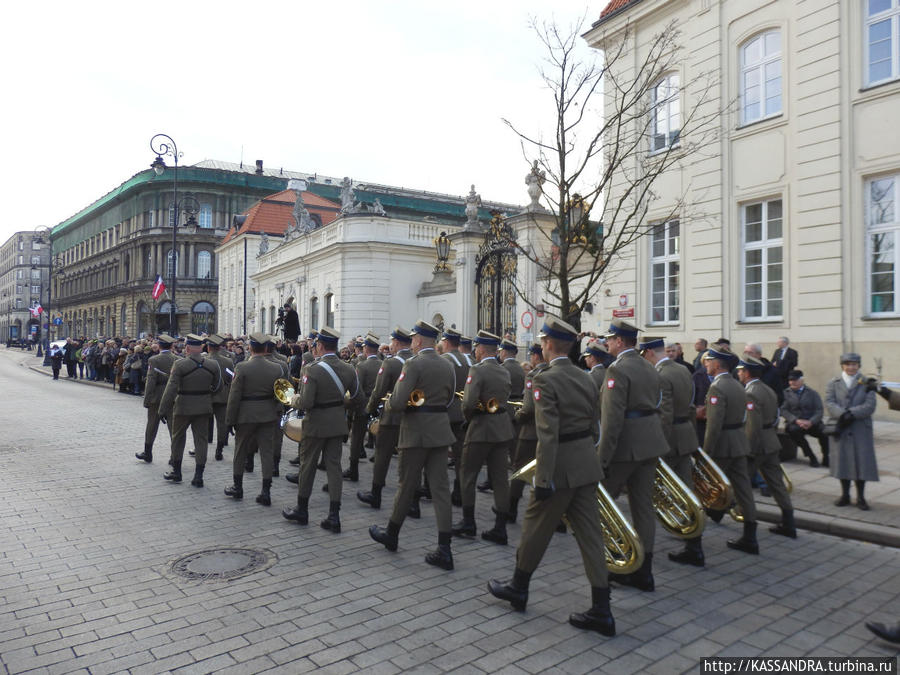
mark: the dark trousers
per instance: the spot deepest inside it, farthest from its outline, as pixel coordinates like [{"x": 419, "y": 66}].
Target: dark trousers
[
  {"x": 152, "y": 427},
  {"x": 385, "y": 443},
  {"x": 770, "y": 468},
  {"x": 495, "y": 455},
  {"x": 358, "y": 428},
  {"x": 737, "y": 470},
  {"x": 434, "y": 462},
  {"x": 798, "y": 435},
  {"x": 525, "y": 449},
  {"x": 639, "y": 478},
  {"x": 178, "y": 426},
  {"x": 250, "y": 436},
  {"x": 70, "y": 369},
  {"x": 310, "y": 449}
]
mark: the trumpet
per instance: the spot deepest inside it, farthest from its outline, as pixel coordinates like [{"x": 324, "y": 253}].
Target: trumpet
[
  {"x": 735, "y": 511},
  {"x": 490, "y": 407},
  {"x": 515, "y": 404},
  {"x": 416, "y": 398},
  {"x": 710, "y": 482},
  {"x": 677, "y": 508},
  {"x": 624, "y": 551}
]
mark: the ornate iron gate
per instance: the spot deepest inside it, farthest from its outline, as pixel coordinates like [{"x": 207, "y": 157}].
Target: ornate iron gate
[{"x": 495, "y": 279}]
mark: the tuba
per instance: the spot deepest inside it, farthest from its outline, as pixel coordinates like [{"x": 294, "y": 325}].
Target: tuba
[
  {"x": 735, "y": 511},
  {"x": 710, "y": 482},
  {"x": 677, "y": 508},
  {"x": 624, "y": 551},
  {"x": 292, "y": 420}
]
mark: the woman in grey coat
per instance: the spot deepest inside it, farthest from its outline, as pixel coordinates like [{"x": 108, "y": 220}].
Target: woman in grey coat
[{"x": 850, "y": 402}]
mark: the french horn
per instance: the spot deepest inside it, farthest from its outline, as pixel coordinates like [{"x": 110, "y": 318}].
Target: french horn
[
  {"x": 710, "y": 483},
  {"x": 292, "y": 420},
  {"x": 677, "y": 508},
  {"x": 624, "y": 551}
]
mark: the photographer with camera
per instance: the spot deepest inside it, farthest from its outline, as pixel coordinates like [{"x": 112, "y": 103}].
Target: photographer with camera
[{"x": 289, "y": 322}]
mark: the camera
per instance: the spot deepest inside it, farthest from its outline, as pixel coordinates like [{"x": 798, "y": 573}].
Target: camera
[{"x": 280, "y": 320}]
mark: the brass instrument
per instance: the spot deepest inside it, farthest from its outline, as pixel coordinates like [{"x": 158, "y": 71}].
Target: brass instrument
[
  {"x": 677, "y": 508},
  {"x": 292, "y": 420},
  {"x": 735, "y": 511},
  {"x": 515, "y": 404},
  {"x": 416, "y": 398},
  {"x": 710, "y": 483},
  {"x": 490, "y": 407},
  {"x": 624, "y": 551}
]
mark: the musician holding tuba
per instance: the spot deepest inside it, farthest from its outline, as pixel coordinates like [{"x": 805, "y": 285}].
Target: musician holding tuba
[
  {"x": 632, "y": 440},
  {"x": 253, "y": 411},
  {"x": 567, "y": 472},
  {"x": 487, "y": 438}
]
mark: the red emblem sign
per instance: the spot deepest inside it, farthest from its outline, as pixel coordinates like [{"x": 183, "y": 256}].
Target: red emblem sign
[
  {"x": 304, "y": 379},
  {"x": 713, "y": 400},
  {"x": 468, "y": 379},
  {"x": 749, "y": 406},
  {"x": 528, "y": 384},
  {"x": 402, "y": 375},
  {"x": 610, "y": 383},
  {"x": 537, "y": 394}
]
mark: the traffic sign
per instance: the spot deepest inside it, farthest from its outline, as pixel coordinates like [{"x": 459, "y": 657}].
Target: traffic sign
[
  {"x": 57, "y": 321},
  {"x": 527, "y": 319}
]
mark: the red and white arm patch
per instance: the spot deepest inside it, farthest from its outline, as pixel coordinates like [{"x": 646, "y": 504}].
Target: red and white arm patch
[
  {"x": 468, "y": 379},
  {"x": 749, "y": 405},
  {"x": 380, "y": 371},
  {"x": 304, "y": 379},
  {"x": 713, "y": 400},
  {"x": 610, "y": 383},
  {"x": 537, "y": 394},
  {"x": 528, "y": 384},
  {"x": 400, "y": 379}
]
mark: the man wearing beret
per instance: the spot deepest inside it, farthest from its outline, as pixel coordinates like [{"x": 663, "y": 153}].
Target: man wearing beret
[
  {"x": 762, "y": 418},
  {"x": 220, "y": 398},
  {"x": 527, "y": 440},
  {"x": 324, "y": 385},
  {"x": 425, "y": 437},
  {"x": 487, "y": 438},
  {"x": 158, "y": 369},
  {"x": 253, "y": 411},
  {"x": 187, "y": 402},
  {"x": 367, "y": 368},
  {"x": 567, "y": 471},
  {"x": 389, "y": 422},
  {"x": 725, "y": 441},
  {"x": 632, "y": 439}
]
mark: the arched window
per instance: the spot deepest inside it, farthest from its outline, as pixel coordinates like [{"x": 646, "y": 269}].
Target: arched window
[
  {"x": 761, "y": 76},
  {"x": 314, "y": 313},
  {"x": 262, "y": 318},
  {"x": 203, "y": 318},
  {"x": 204, "y": 264},
  {"x": 272, "y": 315},
  {"x": 122, "y": 325},
  {"x": 171, "y": 263},
  {"x": 206, "y": 216},
  {"x": 329, "y": 309}
]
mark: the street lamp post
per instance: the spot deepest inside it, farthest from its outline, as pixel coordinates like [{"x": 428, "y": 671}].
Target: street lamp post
[{"x": 162, "y": 145}]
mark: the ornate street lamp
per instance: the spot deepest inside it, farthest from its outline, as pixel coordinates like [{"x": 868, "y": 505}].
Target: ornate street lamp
[
  {"x": 442, "y": 246},
  {"x": 163, "y": 145}
]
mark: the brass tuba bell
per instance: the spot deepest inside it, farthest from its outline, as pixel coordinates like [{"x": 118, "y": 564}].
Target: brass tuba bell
[
  {"x": 677, "y": 508},
  {"x": 292, "y": 420},
  {"x": 624, "y": 551},
  {"x": 710, "y": 482}
]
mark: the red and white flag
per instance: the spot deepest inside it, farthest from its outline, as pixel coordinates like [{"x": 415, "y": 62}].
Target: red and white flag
[
  {"x": 158, "y": 288},
  {"x": 37, "y": 310}
]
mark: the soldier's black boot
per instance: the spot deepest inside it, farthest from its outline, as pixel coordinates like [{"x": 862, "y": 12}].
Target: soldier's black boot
[
  {"x": 823, "y": 446},
  {"x": 456, "y": 495},
  {"x": 414, "y": 510},
  {"x": 219, "y": 446},
  {"x": 372, "y": 498},
  {"x": 147, "y": 454},
  {"x": 513, "y": 508},
  {"x": 441, "y": 556},
  {"x": 747, "y": 543},
  {"x": 333, "y": 521},
  {"x": 294, "y": 461},
  {"x": 299, "y": 513},
  {"x": 889, "y": 633},
  {"x": 691, "y": 555},
  {"x": 352, "y": 473},
  {"x": 786, "y": 527},
  {"x": 598, "y": 618},
  {"x": 642, "y": 578},
  {"x": 197, "y": 480},
  {"x": 292, "y": 478},
  {"x": 175, "y": 474},
  {"x": 388, "y": 536},
  {"x": 236, "y": 490},
  {"x": 715, "y": 514},
  {"x": 497, "y": 534},
  {"x": 264, "y": 497},
  {"x": 515, "y": 590},
  {"x": 466, "y": 526}
]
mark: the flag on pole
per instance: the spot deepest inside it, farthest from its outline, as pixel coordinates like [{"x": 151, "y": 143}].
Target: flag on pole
[
  {"x": 158, "y": 288},
  {"x": 37, "y": 310}
]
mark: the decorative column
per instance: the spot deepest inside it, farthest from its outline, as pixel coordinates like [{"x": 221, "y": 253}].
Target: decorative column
[{"x": 465, "y": 245}]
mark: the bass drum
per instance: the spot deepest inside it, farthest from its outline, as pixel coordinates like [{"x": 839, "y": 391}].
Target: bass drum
[{"x": 292, "y": 425}]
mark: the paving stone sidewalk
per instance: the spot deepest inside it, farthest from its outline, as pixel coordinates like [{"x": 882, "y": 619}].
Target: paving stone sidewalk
[{"x": 87, "y": 536}]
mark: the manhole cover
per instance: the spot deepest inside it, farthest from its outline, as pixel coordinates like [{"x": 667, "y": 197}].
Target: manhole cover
[{"x": 222, "y": 564}]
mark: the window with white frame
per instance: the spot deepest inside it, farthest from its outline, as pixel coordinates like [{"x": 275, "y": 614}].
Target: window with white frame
[
  {"x": 171, "y": 263},
  {"x": 171, "y": 215},
  {"x": 665, "y": 264},
  {"x": 762, "y": 225},
  {"x": 665, "y": 122},
  {"x": 882, "y": 40},
  {"x": 882, "y": 233},
  {"x": 204, "y": 264},
  {"x": 206, "y": 216},
  {"x": 35, "y": 260},
  {"x": 761, "y": 77}
]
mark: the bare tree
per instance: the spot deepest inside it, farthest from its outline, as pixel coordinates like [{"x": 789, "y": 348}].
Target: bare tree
[{"x": 610, "y": 144}]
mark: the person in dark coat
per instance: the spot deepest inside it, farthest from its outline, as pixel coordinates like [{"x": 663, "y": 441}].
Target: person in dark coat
[
  {"x": 784, "y": 360},
  {"x": 852, "y": 403},
  {"x": 56, "y": 357},
  {"x": 803, "y": 411},
  {"x": 291, "y": 323}
]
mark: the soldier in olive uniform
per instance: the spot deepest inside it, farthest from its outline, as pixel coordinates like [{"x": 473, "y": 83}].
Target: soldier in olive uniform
[
  {"x": 367, "y": 369},
  {"x": 389, "y": 422},
  {"x": 284, "y": 363},
  {"x": 253, "y": 411},
  {"x": 593, "y": 359},
  {"x": 187, "y": 402},
  {"x": 448, "y": 347},
  {"x": 527, "y": 438},
  {"x": 677, "y": 416},
  {"x": 762, "y": 418},
  {"x": 158, "y": 368},
  {"x": 425, "y": 437},
  {"x": 487, "y": 437},
  {"x": 568, "y": 469},
  {"x": 725, "y": 441},
  {"x": 632, "y": 440},
  {"x": 220, "y": 399},
  {"x": 465, "y": 348},
  {"x": 324, "y": 385}
]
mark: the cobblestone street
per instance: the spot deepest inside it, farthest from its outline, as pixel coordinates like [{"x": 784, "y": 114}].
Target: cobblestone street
[{"x": 88, "y": 535}]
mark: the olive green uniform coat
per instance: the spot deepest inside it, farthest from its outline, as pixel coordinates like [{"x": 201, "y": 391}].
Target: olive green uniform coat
[
  {"x": 677, "y": 414},
  {"x": 187, "y": 402},
  {"x": 389, "y": 422},
  {"x": 158, "y": 369},
  {"x": 254, "y": 412},
  {"x": 762, "y": 418}
]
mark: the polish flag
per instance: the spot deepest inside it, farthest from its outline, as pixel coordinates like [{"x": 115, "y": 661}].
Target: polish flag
[
  {"x": 158, "y": 288},
  {"x": 37, "y": 310}
]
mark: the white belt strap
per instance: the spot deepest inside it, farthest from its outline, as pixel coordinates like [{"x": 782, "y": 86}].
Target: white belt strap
[{"x": 337, "y": 380}]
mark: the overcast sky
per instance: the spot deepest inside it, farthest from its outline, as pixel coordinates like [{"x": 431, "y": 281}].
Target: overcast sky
[{"x": 405, "y": 93}]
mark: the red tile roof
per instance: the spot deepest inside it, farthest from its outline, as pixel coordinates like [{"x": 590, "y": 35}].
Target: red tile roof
[
  {"x": 614, "y": 6},
  {"x": 273, "y": 214}
]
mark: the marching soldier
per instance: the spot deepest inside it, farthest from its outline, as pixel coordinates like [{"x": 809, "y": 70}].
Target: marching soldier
[
  {"x": 284, "y": 363},
  {"x": 487, "y": 438},
  {"x": 324, "y": 384},
  {"x": 725, "y": 441},
  {"x": 220, "y": 398},
  {"x": 425, "y": 437},
  {"x": 507, "y": 359},
  {"x": 762, "y": 418},
  {"x": 568, "y": 469},
  {"x": 389, "y": 423},
  {"x": 253, "y": 411},
  {"x": 158, "y": 368},
  {"x": 187, "y": 402},
  {"x": 449, "y": 349},
  {"x": 632, "y": 440},
  {"x": 367, "y": 369},
  {"x": 527, "y": 439},
  {"x": 465, "y": 348},
  {"x": 593, "y": 359},
  {"x": 677, "y": 417}
]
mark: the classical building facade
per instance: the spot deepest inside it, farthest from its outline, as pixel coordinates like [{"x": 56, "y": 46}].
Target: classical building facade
[
  {"x": 801, "y": 188},
  {"x": 107, "y": 256},
  {"x": 24, "y": 283}
]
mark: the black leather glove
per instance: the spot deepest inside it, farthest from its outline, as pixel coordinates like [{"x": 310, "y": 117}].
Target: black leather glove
[
  {"x": 846, "y": 418},
  {"x": 885, "y": 393},
  {"x": 872, "y": 384},
  {"x": 542, "y": 493}
]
